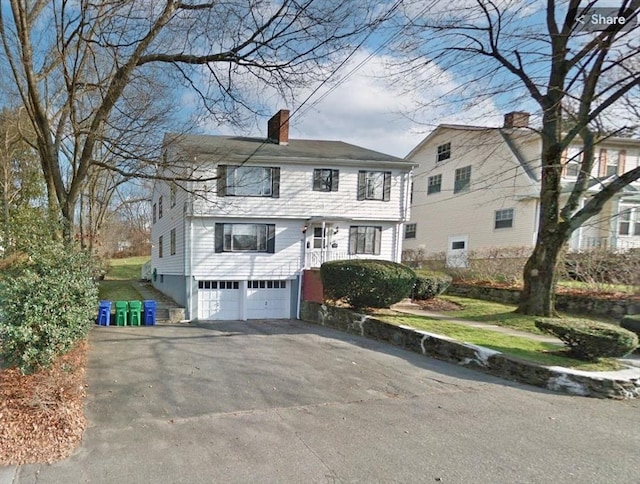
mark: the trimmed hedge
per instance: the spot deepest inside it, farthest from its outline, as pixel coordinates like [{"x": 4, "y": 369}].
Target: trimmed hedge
[
  {"x": 590, "y": 340},
  {"x": 365, "y": 283},
  {"x": 48, "y": 301},
  {"x": 430, "y": 284},
  {"x": 631, "y": 322}
]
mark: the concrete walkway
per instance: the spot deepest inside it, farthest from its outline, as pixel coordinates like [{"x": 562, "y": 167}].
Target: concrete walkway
[{"x": 166, "y": 307}]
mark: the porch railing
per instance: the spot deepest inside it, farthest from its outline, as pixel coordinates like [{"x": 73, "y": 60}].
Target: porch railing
[{"x": 315, "y": 257}]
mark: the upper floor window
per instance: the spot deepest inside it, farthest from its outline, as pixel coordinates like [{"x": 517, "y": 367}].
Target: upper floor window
[
  {"x": 172, "y": 196},
  {"x": 325, "y": 180},
  {"x": 462, "y": 180},
  {"x": 365, "y": 239},
  {"x": 444, "y": 152},
  {"x": 611, "y": 162},
  {"x": 572, "y": 169},
  {"x": 410, "y": 231},
  {"x": 172, "y": 242},
  {"x": 629, "y": 221},
  {"x": 434, "y": 184},
  {"x": 160, "y": 248},
  {"x": 503, "y": 219},
  {"x": 245, "y": 238},
  {"x": 155, "y": 209},
  {"x": 248, "y": 181},
  {"x": 160, "y": 207},
  {"x": 374, "y": 185}
]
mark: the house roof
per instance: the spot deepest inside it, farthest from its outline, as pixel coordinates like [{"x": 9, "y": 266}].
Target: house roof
[{"x": 239, "y": 148}]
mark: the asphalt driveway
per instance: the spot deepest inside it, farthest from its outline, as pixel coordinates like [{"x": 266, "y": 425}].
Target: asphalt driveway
[{"x": 287, "y": 401}]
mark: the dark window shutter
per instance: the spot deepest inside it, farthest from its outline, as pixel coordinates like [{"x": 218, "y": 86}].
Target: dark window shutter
[
  {"x": 335, "y": 174},
  {"x": 362, "y": 180},
  {"x": 353, "y": 239},
  {"x": 222, "y": 180},
  {"x": 271, "y": 238},
  {"x": 377, "y": 241},
  {"x": 219, "y": 237},
  {"x": 317, "y": 180},
  {"x": 387, "y": 186},
  {"x": 275, "y": 182}
]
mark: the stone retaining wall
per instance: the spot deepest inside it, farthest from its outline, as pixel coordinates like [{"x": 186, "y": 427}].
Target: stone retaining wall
[
  {"x": 612, "y": 308},
  {"x": 489, "y": 361}
]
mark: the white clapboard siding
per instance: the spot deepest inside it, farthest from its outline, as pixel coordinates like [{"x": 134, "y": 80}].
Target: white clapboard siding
[{"x": 298, "y": 199}]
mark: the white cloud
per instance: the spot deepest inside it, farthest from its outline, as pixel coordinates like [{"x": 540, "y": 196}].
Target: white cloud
[{"x": 367, "y": 110}]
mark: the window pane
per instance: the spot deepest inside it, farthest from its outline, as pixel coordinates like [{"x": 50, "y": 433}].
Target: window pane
[
  {"x": 322, "y": 180},
  {"x": 375, "y": 185},
  {"x": 249, "y": 181},
  {"x": 244, "y": 237},
  {"x": 444, "y": 152},
  {"x": 572, "y": 170},
  {"x": 434, "y": 184},
  {"x": 457, "y": 245}
]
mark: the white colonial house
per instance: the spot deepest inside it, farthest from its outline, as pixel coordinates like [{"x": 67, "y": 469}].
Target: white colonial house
[
  {"x": 233, "y": 245},
  {"x": 478, "y": 187}
]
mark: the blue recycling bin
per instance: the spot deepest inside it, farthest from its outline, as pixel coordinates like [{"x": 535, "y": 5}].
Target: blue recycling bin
[
  {"x": 149, "y": 312},
  {"x": 104, "y": 313}
]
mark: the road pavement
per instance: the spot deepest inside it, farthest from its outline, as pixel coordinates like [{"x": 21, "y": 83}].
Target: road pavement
[{"x": 289, "y": 402}]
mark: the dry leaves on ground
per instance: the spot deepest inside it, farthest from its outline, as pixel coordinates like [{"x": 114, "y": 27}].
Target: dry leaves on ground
[
  {"x": 438, "y": 305},
  {"x": 42, "y": 415}
]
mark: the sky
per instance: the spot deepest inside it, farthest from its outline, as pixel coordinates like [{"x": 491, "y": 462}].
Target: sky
[{"x": 369, "y": 111}]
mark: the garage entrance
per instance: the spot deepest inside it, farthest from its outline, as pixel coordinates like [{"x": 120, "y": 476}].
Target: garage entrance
[
  {"x": 267, "y": 300},
  {"x": 219, "y": 300}
]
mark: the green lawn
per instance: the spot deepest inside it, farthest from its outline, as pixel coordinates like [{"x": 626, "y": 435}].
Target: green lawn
[
  {"x": 492, "y": 312},
  {"x": 117, "y": 285},
  {"x": 499, "y": 314},
  {"x": 523, "y": 348},
  {"x": 118, "y": 291},
  {"x": 126, "y": 269}
]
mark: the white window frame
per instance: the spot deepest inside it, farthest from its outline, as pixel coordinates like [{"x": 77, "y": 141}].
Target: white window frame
[
  {"x": 431, "y": 183},
  {"x": 443, "y": 152},
  {"x": 240, "y": 182},
  {"x": 503, "y": 215},
  {"x": 630, "y": 216},
  {"x": 374, "y": 185},
  {"x": 367, "y": 239},
  {"x": 462, "y": 175},
  {"x": 410, "y": 230},
  {"x": 172, "y": 242},
  {"x": 172, "y": 196}
]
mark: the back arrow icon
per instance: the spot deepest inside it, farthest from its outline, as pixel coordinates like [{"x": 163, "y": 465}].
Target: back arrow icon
[{"x": 580, "y": 19}]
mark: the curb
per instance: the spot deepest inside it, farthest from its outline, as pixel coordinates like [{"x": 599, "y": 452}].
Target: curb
[{"x": 624, "y": 384}]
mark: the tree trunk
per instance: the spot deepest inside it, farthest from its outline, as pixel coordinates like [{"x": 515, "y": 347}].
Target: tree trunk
[{"x": 538, "y": 294}]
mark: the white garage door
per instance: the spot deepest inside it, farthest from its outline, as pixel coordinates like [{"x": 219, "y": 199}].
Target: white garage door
[
  {"x": 267, "y": 300},
  {"x": 219, "y": 300}
]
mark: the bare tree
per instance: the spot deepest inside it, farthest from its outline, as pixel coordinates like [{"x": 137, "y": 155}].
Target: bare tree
[
  {"x": 21, "y": 183},
  {"x": 101, "y": 77},
  {"x": 514, "y": 52}
]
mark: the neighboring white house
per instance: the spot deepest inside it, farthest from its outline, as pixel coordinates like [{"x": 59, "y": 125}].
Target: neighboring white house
[
  {"x": 478, "y": 187},
  {"x": 232, "y": 245}
]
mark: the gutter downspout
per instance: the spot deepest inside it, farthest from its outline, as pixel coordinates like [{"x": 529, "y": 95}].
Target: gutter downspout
[{"x": 303, "y": 265}]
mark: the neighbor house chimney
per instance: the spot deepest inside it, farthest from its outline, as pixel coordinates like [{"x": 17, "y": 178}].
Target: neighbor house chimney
[
  {"x": 516, "y": 119},
  {"x": 278, "y": 127}
]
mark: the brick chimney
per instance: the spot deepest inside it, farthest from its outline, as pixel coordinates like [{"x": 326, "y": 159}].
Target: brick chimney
[
  {"x": 278, "y": 127},
  {"x": 516, "y": 119}
]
